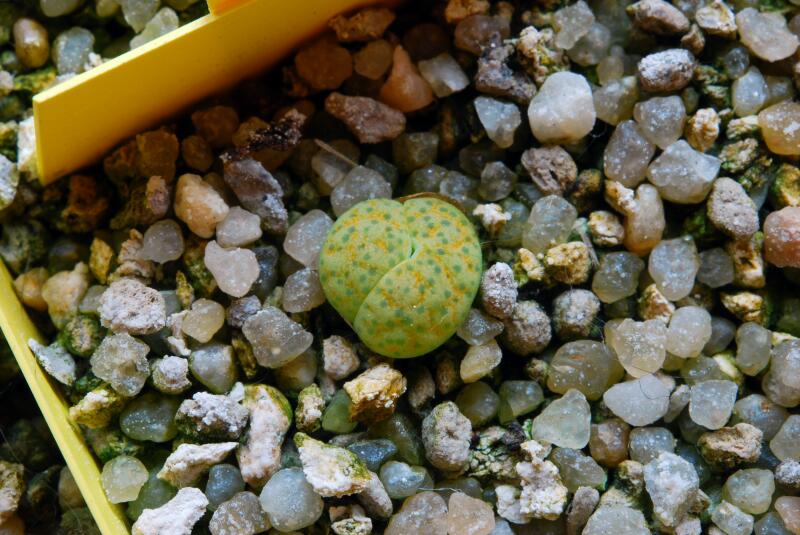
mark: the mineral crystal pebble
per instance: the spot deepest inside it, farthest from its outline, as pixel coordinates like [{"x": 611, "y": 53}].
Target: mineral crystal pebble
[
  {"x": 302, "y": 291},
  {"x": 760, "y": 412},
  {"x": 565, "y": 422},
  {"x": 689, "y": 330},
  {"x": 405, "y": 89},
  {"x": 374, "y": 59},
  {"x": 475, "y": 32},
  {"x": 276, "y": 339},
  {"x": 682, "y": 174},
  {"x": 673, "y": 264},
  {"x": 214, "y": 366},
  {"x": 163, "y": 22},
  {"x": 550, "y": 223},
  {"x": 235, "y": 270},
  {"x": 788, "y": 507},
  {"x": 766, "y": 34},
  {"x": 499, "y": 119},
  {"x": 750, "y": 490},
  {"x": 672, "y": 484},
  {"x": 443, "y": 74},
  {"x": 592, "y": 47},
  {"x": 241, "y": 514},
  {"x": 71, "y": 50},
  {"x": 711, "y": 402},
  {"x": 571, "y": 23},
  {"x": 753, "y": 346},
  {"x": 162, "y": 242},
  {"x": 638, "y": 402},
  {"x": 518, "y": 398},
  {"x": 289, "y": 501},
  {"x": 497, "y": 181},
  {"x": 204, "y": 319},
  {"x": 402, "y": 480},
  {"x": 617, "y": 276},
  {"x": 374, "y": 453},
  {"x": 123, "y": 478},
  {"x": 423, "y": 513},
  {"x": 782, "y": 237},
  {"x": 324, "y": 64},
  {"x": 647, "y": 443},
  {"x": 614, "y": 101},
  {"x": 151, "y": 417},
  {"x": 716, "y": 268},
  {"x": 121, "y": 360},
  {"x": 224, "y": 481},
  {"x": 138, "y": 12},
  {"x": 306, "y": 236},
  {"x": 479, "y": 328},
  {"x": 786, "y": 442},
  {"x": 329, "y": 170},
  {"x": 771, "y": 524},
  {"x": 779, "y": 127},
  {"x": 469, "y": 516},
  {"x": 239, "y": 228},
  {"x": 639, "y": 345},
  {"x": 478, "y": 402},
  {"x": 577, "y": 470},
  {"x": 749, "y": 93},
  {"x": 199, "y": 205},
  {"x": 178, "y": 515},
  {"x": 661, "y": 119},
  {"x": 616, "y": 519},
  {"x": 732, "y": 520},
  {"x": 360, "y": 184},
  {"x": 563, "y": 109},
  {"x": 586, "y": 366},
  {"x": 627, "y": 154},
  {"x": 480, "y": 360},
  {"x": 258, "y": 192},
  {"x": 57, "y": 8},
  {"x": 56, "y": 361}
]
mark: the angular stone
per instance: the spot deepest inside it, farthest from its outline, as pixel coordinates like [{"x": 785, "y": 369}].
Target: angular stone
[
  {"x": 670, "y": 70},
  {"x": 276, "y": 339},
  {"x": 369, "y": 120},
  {"x": 176, "y": 517},
  {"x": 673, "y": 264},
  {"x": 563, "y": 109},
  {"x": 121, "y": 360},
  {"x": 661, "y": 119},
  {"x": 627, "y": 154},
  {"x": 199, "y": 205},
  {"x": 258, "y": 191},
  {"x": 639, "y": 346},
  {"x": 683, "y": 175},
  {"x": 672, "y": 484},
  {"x": 639, "y": 402},
  {"x": 712, "y": 402},
  {"x": 330, "y": 470},
  {"x": 565, "y": 422},
  {"x": 766, "y": 34}
]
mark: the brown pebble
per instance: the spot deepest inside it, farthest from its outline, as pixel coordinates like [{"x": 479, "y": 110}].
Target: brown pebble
[
  {"x": 552, "y": 169},
  {"x": 216, "y": 125},
  {"x": 197, "y": 154},
  {"x": 324, "y": 64},
  {"x": 367, "y": 24},
  {"x": 658, "y": 17},
  {"x": 369, "y": 120},
  {"x": 374, "y": 59},
  {"x": 782, "y": 237},
  {"x": 30, "y": 43},
  {"x": 731, "y": 210},
  {"x": 405, "y": 89},
  {"x": 670, "y": 70}
]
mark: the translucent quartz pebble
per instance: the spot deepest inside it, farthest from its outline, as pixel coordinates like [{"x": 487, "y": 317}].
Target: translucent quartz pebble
[
  {"x": 162, "y": 242},
  {"x": 235, "y": 270},
  {"x": 214, "y": 365},
  {"x": 722, "y": 333},
  {"x": 121, "y": 361},
  {"x": 672, "y": 484},
  {"x": 565, "y": 422},
  {"x": 682, "y": 174},
  {"x": 499, "y": 119},
  {"x": 151, "y": 417},
  {"x": 71, "y": 50},
  {"x": 56, "y": 8},
  {"x": 614, "y": 101},
  {"x": 405, "y": 90},
  {"x": 289, "y": 501},
  {"x": 750, "y": 490},
  {"x": 123, "y": 478},
  {"x": 479, "y": 328},
  {"x": 461, "y": 188},
  {"x": 616, "y": 519},
  {"x": 661, "y": 119},
  {"x": 497, "y": 181},
  {"x": 478, "y": 402},
  {"x": 374, "y": 452},
  {"x": 782, "y": 237},
  {"x": 518, "y": 398},
  {"x": 163, "y": 22},
  {"x": 203, "y": 320},
  {"x": 673, "y": 264},
  {"x": 550, "y": 223},
  {"x": 766, "y": 34},
  {"x": 469, "y": 516},
  {"x": 760, "y": 412},
  {"x": 592, "y": 47},
  {"x": 476, "y": 31},
  {"x": 627, "y": 154},
  {"x": 402, "y": 480},
  {"x": 578, "y": 470},
  {"x": 329, "y": 170},
  {"x": 647, "y": 443},
  {"x": 241, "y": 515},
  {"x": 480, "y": 360},
  {"x": 443, "y": 74},
  {"x": 639, "y": 402},
  {"x": 572, "y": 23},
  {"x": 563, "y": 109},
  {"x": 716, "y": 268},
  {"x": 224, "y": 481},
  {"x": 306, "y": 236},
  {"x": 640, "y": 345},
  {"x": 239, "y": 228},
  {"x": 617, "y": 276},
  {"x": 711, "y": 403},
  {"x": 771, "y": 524},
  {"x": 302, "y": 291},
  {"x": 56, "y": 361},
  {"x": 586, "y": 366},
  {"x": 778, "y": 127},
  {"x": 138, "y": 13},
  {"x": 732, "y": 520},
  {"x": 753, "y": 346},
  {"x": 786, "y": 442},
  {"x": 644, "y": 222},
  {"x": 749, "y": 93},
  {"x": 689, "y": 330},
  {"x": 276, "y": 339},
  {"x": 788, "y": 507},
  {"x": 360, "y": 184},
  {"x": 425, "y": 512}
]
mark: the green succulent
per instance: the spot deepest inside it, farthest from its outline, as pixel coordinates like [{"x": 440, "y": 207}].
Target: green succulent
[{"x": 403, "y": 274}]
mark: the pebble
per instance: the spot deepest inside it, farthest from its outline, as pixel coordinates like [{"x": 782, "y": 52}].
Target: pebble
[
  {"x": 711, "y": 402},
  {"x": 234, "y": 270},
  {"x": 176, "y": 517},
  {"x": 164, "y": 21},
  {"x": 550, "y": 223},
  {"x": 259, "y": 455},
  {"x": 213, "y": 417},
  {"x": 732, "y": 520},
  {"x": 339, "y": 359},
  {"x": 608, "y": 442},
  {"x": 63, "y": 293},
  {"x": 584, "y": 365},
  {"x": 627, "y": 154},
  {"x": 647, "y": 443},
  {"x": 30, "y": 42},
  {"x": 213, "y": 366},
  {"x": 373, "y": 393},
  {"x": 480, "y": 360},
  {"x": 749, "y": 92},
  {"x": 374, "y": 59},
  {"x": 423, "y": 513},
  {"x": 498, "y": 290},
  {"x": 760, "y": 412},
  {"x": 500, "y": 120},
  {"x": 682, "y": 174},
  {"x": 562, "y": 111},
  {"x": 571, "y": 23},
  {"x": 716, "y": 268},
  {"x": 306, "y": 236},
  {"x": 199, "y": 205},
  {"x": 330, "y": 470},
  {"x": 57, "y": 8},
  {"x": 290, "y": 502},
  {"x": 615, "y": 100},
  {"x": 617, "y": 519},
  {"x": 670, "y": 70},
  {"x": 443, "y": 74},
  {"x": 205, "y": 318},
  {"x": 782, "y": 237},
  {"x": 476, "y": 32},
  {"x": 639, "y": 345},
  {"x": 302, "y": 291},
  {"x": 71, "y": 50},
  {"x": 366, "y": 118},
  {"x": 360, "y": 184},
  {"x": 639, "y": 402},
  {"x": 575, "y": 314},
  {"x": 122, "y": 478},
  {"x": 446, "y": 435},
  {"x": 784, "y": 444},
  {"x": 717, "y": 19},
  {"x": 661, "y": 119},
  {"x": 779, "y": 127},
  {"x": 324, "y": 64},
  {"x": 583, "y": 504},
  {"x": 577, "y": 470},
  {"x": 469, "y": 516},
  {"x": 527, "y": 330},
  {"x": 240, "y": 514},
  {"x": 565, "y": 422},
  {"x": 673, "y": 264},
  {"x": 672, "y": 484},
  {"x": 276, "y": 339},
  {"x": 56, "y": 361},
  {"x": 518, "y": 398},
  {"x": 689, "y": 331},
  {"x": 766, "y": 34},
  {"x": 121, "y": 360},
  {"x": 729, "y": 447},
  {"x": 239, "y": 228},
  {"x": 551, "y": 168},
  {"x": 750, "y": 490},
  {"x": 658, "y": 17},
  {"x": 617, "y": 276},
  {"x": 788, "y": 508},
  {"x": 405, "y": 90},
  {"x": 258, "y": 191},
  {"x": 365, "y": 25},
  {"x": 402, "y": 480},
  {"x": 753, "y": 346}
]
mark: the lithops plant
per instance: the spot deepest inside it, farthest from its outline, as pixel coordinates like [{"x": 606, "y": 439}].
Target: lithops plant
[{"x": 403, "y": 274}]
